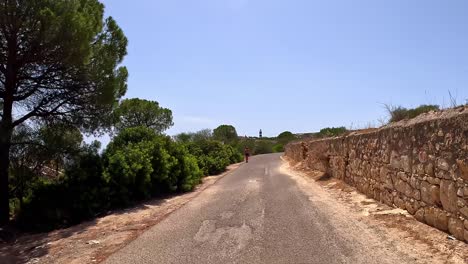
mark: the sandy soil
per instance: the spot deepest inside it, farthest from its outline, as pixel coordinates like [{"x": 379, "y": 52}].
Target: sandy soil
[
  {"x": 395, "y": 226},
  {"x": 94, "y": 241}
]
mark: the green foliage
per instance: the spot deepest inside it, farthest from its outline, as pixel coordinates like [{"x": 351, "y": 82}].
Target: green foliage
[
  {"x": 213, "y": 156},
  {"x": 128, "y": 171},
  {"x": 263, "y": 147},
  {"x": 39, "y": 152},
  {"x": 278, "y": 148},
  {"x": 65, "y": 68},
  {"x": 400, "y": 113},
  {"x": 286, "y": 136},
  {"x": 138, "y": 164},
  {"x": 332, "y": 132},
  {"x": 80, "y": 194},
  {"x": 139, "y": 112},
  {"x": 185, "y": 170},
  {"x": 283, "y": 139},
  {"x": 183, "y": 137},
  {"x": 202, "y": 135},
  {"x": 133, "y": 135},
  {"x": 226, "y": 134}
]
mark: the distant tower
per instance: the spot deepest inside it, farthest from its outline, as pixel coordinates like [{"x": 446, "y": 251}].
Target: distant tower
[{"x": 260, "y": 134}]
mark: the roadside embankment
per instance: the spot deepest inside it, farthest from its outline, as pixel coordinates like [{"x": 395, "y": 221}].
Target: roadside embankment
[{"x": 419, "y": 165}]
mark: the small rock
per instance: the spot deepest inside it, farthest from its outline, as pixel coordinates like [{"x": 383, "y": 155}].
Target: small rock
[
  {"x": 443, "y": 165},
  {"x": 93, "y": 242},
  {"x": 464, "y": 211}
]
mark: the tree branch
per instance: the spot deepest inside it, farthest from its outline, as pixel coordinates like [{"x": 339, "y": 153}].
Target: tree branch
[{"x": 36, "y": 112}]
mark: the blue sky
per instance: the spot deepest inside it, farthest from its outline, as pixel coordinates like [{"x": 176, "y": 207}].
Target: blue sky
[{"x": 297, "y": 65}]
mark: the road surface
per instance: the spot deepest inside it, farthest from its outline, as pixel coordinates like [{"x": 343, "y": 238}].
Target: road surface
[{"x": 259, "y": 214}]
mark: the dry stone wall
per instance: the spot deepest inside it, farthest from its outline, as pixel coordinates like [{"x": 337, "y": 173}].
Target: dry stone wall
[{"x": 419, "y": 165}]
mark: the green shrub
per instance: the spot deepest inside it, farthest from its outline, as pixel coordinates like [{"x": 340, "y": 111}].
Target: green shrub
[
  {"x": 153, "y": 166},
  {"x": 47, "y": 207},
  {"x": 128, "y": 171},
  {"x": 213, "y": 156},
  {"x": 332, "y": 131},
  {"x": 278, "y": 148},
  {"x": 81, "y": 193},
  {"x": 137, "y": 164},
  {"x": 87, "y": 190},
  {"x": 263, "y": 147},
  {"x": 400, "y": 113}
]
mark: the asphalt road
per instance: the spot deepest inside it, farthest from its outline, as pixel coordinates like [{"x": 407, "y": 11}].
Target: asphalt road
[{"x": 257, "y": 214}]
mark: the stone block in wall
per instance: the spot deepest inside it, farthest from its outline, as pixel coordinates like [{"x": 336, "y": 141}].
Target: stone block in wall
[
  {"x": 442, "y": 164},
  {"x": 376, "y": 195},
  {"x": 464, "y": 212},
  {"x": 410, "y": 207},
  {"x": 399, "y": 202},
  {"x": 415, "y": 182},
  {"x": 405, "y": 163},
  {"x": 394, "y": 177},
  {"x": 430, "y": 216},
  {"x": 463, "y": 168},
  {"x": 430, "y": 194},
  {"x": 456, "y": 228},
  {"x": 408, "y": 190},
  {"x": 443, "y": 175},
  {"x": 402, "y": 187},
  {"x": 433, "y": 180},
  {"x": 383, "y": 173},
  {"x": 448, "y": 196},
  {"x": 461, "y": 202},
  {"x": 419, "y": 215},
  {"x": 429, "y": 169},
  {"x": 386, "y": 197},
  {"x": 403, "y": 176},
  {"x": 418, "y": 169},
  {"x": 395, "y": 160},
  {"x": 441, "y": 220},
  {"x": 423, "y": 157}
]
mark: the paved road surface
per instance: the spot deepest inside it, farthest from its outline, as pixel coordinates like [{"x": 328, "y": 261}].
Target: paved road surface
[{"x": 257, "y": 215}]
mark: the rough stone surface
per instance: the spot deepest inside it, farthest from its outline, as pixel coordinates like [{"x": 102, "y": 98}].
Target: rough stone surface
[
  {"x": 442, "y": 220},
  {"x": 419, "y": 215},
  {"x": 405, "y": 164},
  {"x": 448, "y": 196},
  {"x": 456, "y": 228},
  {"x": 430, "y": 194},
  {"x": 463, "y": 167},
  {"x": 464, "y": 212},
  {"x": 443, "y": 165}
]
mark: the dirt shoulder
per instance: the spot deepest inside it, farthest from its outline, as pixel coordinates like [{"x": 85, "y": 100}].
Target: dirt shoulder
[
  {"x": 95, "y": 240},
  {"x": 390, "y": 226}
]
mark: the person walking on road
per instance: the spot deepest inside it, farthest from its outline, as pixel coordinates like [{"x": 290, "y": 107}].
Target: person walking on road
[{"x": 246, "y": 154}]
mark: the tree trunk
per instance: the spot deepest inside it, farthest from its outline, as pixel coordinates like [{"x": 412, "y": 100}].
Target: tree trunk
[
  {"x": 6, "y": 124},
  {"x": 5, "y": 142}
]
